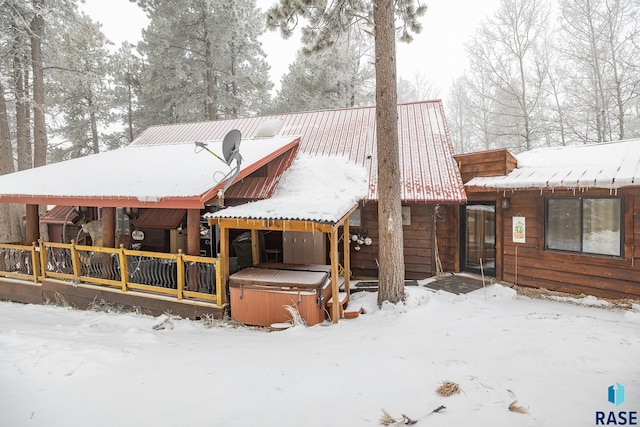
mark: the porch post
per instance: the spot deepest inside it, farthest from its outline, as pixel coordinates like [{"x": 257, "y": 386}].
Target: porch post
[
  {"x": 335, "y": 291},
  {"x": 193, "y": 232},
  {"x": 223, "y": 258},
  {"x": 255, "y": 246},
  {"x": 32, "y": 225},
  {"x": 193, "y": 245},
  {"x": 108, "y": 227},
  {"x": 347, "y": 257}
]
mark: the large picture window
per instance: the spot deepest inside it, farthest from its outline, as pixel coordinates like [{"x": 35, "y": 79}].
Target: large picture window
[{"x": 585, "y": 225}]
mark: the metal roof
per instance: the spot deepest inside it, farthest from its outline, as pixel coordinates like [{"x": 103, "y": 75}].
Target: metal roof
[
  {"x": 429, "y": 172},
  {"x": 168, "y": 219},
  {"x": 168, "y": 176},
  {"x": 607, "y": 165},
  {"x": 60, "y": 215}
]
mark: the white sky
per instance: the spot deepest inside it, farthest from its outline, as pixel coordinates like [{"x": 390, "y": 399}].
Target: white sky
[{"x": 438, "y": 52}]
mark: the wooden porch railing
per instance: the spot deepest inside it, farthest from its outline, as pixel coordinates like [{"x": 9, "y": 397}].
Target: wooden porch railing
[
  {"x": 178, "y": 275},
  {"x": 20, "y": 262}
]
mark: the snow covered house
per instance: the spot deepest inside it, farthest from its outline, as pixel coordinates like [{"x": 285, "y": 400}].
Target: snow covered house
[
  {"x": 152, "y": 197},
  {"x": 562, "y": 218}
]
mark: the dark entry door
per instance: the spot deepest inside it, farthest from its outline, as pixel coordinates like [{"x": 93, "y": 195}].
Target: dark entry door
[{"x": 478, "y": 238}]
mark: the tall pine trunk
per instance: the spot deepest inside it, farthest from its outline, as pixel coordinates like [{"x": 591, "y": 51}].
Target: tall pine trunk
[
  {"x": 391, "y": 273},
  {"x": 9, "y": 220},
  {"x": 6, "y": 153},
  {"x": 23, "y": 142},
  {"x": 39, "y": 124}
]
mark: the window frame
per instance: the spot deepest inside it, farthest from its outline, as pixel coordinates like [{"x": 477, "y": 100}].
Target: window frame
[{"x": 581, "y": 199}]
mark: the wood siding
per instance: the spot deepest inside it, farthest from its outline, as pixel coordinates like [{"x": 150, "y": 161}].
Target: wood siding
[
  {"x": 487, "y": 163},
  {"x": 448, "y": 237},
  {"x": 418, "y": 241},
  {"x": 529, "y": 264}
]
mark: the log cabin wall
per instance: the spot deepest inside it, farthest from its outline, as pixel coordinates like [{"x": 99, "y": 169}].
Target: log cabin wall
[
  {"x": 418, "y": 238},
  {"x": 530, "y": 264},
  {"x": 72, "y": 232},
  {"x": 448, "y": 237},
  {"x": 419, "y": 241},
  {"x": 363, "y": 262}
]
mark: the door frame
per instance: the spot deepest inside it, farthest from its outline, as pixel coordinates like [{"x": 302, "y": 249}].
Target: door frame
[{"x": 492, "y": 271}]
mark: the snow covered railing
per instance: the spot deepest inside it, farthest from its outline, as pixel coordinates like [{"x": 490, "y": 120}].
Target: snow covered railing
[
  {"x": 19, "y": 262},
  {"x": 178, "y": 275}
]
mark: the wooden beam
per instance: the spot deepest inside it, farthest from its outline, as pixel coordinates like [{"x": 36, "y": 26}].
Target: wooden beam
[
  {"x": 255, "y": 246},
  {"x": 347, "y": 257},
  {"x": 109, "y": 227},
  {"x": 274, "y": 225},
  {"x": 107, "y": 201},
  {"x": 193, "y": 232},
  {"x": 335, "y": 291},
  {"x": 224, "y": 261},
  {"x": 280, "y": 224},
  {"x": 33, "y": 224},
  {"x": 193, "y": 247}
]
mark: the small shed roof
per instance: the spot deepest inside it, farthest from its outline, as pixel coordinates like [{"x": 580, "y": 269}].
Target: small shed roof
[
  {"x": 168, "y": 219},
  {"x": 170, "y": 176},
  {"x": 60, "y": 215},
  {"x": 320, "y": 189},
  {"x": 428, "y": 171},
  {"x": 607, "y": 165}
]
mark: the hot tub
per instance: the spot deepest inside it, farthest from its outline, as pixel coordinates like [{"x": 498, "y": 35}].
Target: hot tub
[{"x": 259, "y": 295}]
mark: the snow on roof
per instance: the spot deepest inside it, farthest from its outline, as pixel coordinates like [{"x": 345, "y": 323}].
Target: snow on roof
[
  {"x": 428, "y": 170},
  {"x": 607, "y": 165},
  {"x": 147, "y": 174},
  {"x": 319, "y": 189}
]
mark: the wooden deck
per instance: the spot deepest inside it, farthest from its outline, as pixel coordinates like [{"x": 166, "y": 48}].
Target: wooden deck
[{"x": 84, "y": 296}]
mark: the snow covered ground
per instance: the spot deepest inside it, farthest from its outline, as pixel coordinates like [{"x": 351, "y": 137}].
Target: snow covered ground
[{"x": 64, "y": 367}]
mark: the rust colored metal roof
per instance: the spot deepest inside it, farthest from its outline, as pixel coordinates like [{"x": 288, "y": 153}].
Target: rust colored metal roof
[
  {"x": 58, "y": 215},
  {"x": 261, "y": 184},
  {"x": 429, "y": 171},
  {"x": 160, "y": 218}
]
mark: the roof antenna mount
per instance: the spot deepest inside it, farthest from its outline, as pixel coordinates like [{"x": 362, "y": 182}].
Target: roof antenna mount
[{"x": 230, "y": 152}]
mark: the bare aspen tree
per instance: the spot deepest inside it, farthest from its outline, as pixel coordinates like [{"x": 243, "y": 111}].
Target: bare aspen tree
[
  {"x": 459, "y": 115},
  {"x": 417, "y": 88},
  {"x": 554, "y": 106},
  {"x": 601, "y": 43},
  {"x": 505, "y": 51}
]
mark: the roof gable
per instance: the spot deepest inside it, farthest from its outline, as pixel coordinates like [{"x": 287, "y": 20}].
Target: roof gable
[{"x": 429, "y": 172}]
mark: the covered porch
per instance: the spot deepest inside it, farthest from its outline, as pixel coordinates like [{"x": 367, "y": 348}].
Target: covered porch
[
  {"x": 338, "y": 276},
  {"x": 177, "y": 179}
]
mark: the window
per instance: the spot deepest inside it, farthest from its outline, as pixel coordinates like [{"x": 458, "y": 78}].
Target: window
[
  {"x": 585, "y": 225},
  {"x": 122, "y": 222}
]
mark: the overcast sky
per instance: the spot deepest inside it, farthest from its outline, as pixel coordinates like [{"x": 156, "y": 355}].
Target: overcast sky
[{"x": 438, "y": 52}]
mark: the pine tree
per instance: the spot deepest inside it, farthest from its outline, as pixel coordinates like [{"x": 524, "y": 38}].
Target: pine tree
[
  {"x": 203, "y": 61},
  {"x": 338, "y": 77},
  {"x": 326, "y": 22},
  {"x": 78, "y": 81}
]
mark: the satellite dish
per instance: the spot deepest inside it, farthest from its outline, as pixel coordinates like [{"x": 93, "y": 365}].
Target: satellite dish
[
  {"x": 230, "y": 152},
  {"x": 231, "y": 146}
]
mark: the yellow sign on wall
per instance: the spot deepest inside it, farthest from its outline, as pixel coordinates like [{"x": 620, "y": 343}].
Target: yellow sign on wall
[{"x": 519, "y": 229}]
